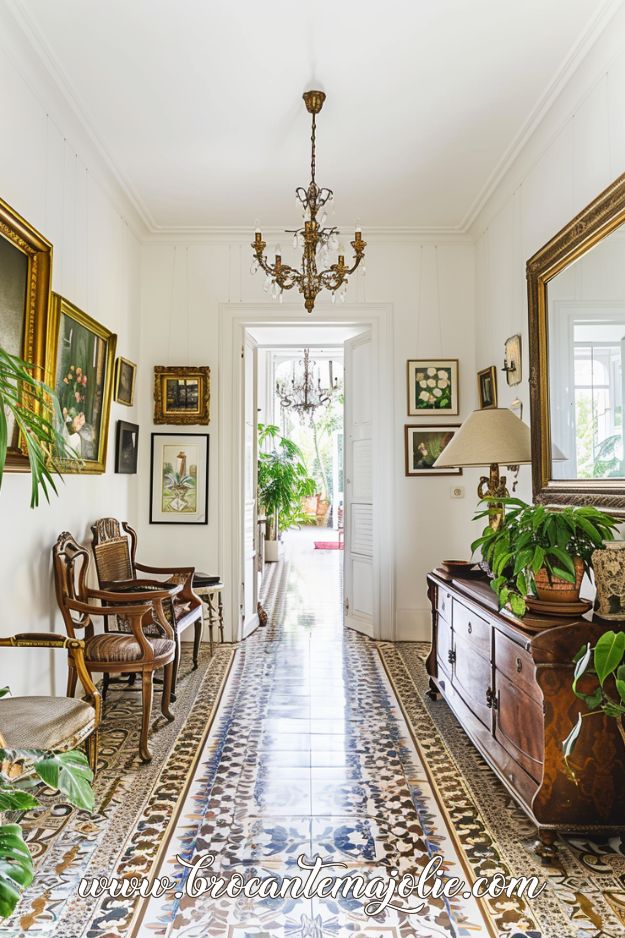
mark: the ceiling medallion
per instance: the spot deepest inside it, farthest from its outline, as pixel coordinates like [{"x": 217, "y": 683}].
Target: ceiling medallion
[
  {"x": 303, "y": 393},
  {"x": 315, "y": 240}
]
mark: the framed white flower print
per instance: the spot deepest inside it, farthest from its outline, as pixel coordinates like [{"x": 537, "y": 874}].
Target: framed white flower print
[{"x": 433, "y": 387}]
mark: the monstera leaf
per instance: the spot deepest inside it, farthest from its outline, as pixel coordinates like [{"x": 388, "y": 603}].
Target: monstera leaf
[{"x": 16, "y": 867}]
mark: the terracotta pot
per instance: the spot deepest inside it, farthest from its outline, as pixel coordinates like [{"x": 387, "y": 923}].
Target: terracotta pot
[
  {"x": 556, "y": 589},
  {"x": 608, "y": 565}
]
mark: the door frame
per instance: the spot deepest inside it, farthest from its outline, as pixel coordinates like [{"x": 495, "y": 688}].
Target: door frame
[{"x": 234, "y": 319}]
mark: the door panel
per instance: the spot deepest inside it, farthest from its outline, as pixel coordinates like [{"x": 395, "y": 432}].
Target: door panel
[
  {"x": 361, "y": 594},
  {"x": 472, "y": 677},
  {"x": 519, "y": 725},
  {"x": 250, "y": 471}
]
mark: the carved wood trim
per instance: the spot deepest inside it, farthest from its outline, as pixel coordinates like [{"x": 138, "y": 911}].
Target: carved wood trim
[{"x": 594, "y": 223}]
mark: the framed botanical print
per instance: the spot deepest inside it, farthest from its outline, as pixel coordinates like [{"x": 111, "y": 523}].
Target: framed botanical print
[
  {"x": 125, "y": 374},
  {"x": 424, "y": 445},
  {"x": 433, "y": 387},
  {"x": 25, "y": 264},
  {"x": 126, "y": 447},
  {"x": 182, "y": 394},
  {"x": 179, "y": 478},
  {"x": 83, "y": 381},
  {"x": 487, "y": 387}
]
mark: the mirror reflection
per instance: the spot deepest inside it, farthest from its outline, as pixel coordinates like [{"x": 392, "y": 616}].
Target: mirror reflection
[{"x": 586, "y": 321}]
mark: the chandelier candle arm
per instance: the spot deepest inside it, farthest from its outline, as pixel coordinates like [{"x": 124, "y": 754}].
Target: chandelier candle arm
[{"x": 313, "y": 237}]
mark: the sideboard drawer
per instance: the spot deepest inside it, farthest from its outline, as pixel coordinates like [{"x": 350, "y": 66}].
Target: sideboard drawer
[
  {"x": 516, "y": 664},
  {"x": 443, "y": 603},
  {"x": 472, "y": 677},
  {"x": 472, "y": 627},
  {"x": 519, "y": 725}
]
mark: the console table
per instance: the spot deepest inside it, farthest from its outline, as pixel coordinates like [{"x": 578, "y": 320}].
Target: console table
[{"x": 510, "y": 689}]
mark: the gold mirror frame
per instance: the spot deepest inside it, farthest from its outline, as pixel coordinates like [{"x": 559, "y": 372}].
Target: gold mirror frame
[
  {"x": 38, "y": 250},
  {"x": 592, "y": 225}
]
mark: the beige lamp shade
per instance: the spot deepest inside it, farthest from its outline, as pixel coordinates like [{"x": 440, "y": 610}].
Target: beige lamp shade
[{"x": 488, "y": 436}]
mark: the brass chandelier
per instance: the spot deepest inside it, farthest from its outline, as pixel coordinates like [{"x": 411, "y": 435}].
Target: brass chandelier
[
  {"x": 302, "y": 393},
  {"x": 315, "y": 240}
]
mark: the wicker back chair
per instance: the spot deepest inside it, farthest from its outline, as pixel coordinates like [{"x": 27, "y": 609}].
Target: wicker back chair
[
  {"x": 115, "y": 548},
  {"x": 112, "y": 652}
]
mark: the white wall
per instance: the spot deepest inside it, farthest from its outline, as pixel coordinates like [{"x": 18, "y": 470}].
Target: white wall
[
  {"x": 431, "y": 288},
  {"x": 573, "y": 154},
  {"x": 50, "y": 176}
]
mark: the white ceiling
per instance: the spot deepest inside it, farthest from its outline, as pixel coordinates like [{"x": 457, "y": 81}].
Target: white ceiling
[{"x": 198, "y": 104}]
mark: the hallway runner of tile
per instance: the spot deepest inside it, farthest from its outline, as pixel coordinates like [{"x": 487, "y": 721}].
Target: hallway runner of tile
[
  {"x": 585, "y": 895},
  {"x": 134, "y": 803}
]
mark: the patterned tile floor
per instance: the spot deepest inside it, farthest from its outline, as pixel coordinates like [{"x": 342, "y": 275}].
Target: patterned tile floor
[{"x": 309, "y": 754}]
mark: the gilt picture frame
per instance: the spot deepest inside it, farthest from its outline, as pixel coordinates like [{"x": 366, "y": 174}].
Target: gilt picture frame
[
  {"x": 432, "y": 386},
  {"x": 25, "y": 271},
  {"x": 125, "y": 377},
  {"x": 487, "y": 387},
  {"x": 182, "y": 395},
  {"x": 179, "y": 469},
  {"x": 84, "y": 355}
]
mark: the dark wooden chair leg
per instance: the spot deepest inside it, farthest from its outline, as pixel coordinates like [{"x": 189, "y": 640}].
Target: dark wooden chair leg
[
  {"x": 106, "y": 680},
  {"x": 197, "y": 638},
  {"x": 72, "y": 678},
  {"x": 166, "y": 695},
  {"x": 220, "y": 606},
  {"x": 176, "y": 664},
  {"x": 91, "y": 745},
  {"x": 144, "y": 750}
]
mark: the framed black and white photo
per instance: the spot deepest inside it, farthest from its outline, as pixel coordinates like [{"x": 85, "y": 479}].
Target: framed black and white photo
[
  {"x": 179, "y": 478},
  {"x": 126, "y": 447}
]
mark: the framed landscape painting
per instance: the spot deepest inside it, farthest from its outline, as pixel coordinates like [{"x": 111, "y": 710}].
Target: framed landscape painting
[
  {"x": 85, "y": 358},
  {"x": 125, "y": 374},
  {"x": 424, "y": 445},
  {"x": 182, "y": 394},
  {"x": 433, "y": 387},
  {"x": 179, "y": 478}
]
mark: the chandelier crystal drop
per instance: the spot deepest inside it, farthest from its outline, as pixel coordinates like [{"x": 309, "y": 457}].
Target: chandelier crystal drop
[
  {"x": 314, "y": 238},
  {"x": 304, "y": 393}
]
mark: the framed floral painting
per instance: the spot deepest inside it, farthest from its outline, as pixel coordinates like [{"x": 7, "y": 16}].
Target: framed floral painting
[
  {"x": 423, "y": 447},
  {"x": 85, "y": 359},
  {"x": 433, "y": 387},
  {"x": 179, "y": 478}
]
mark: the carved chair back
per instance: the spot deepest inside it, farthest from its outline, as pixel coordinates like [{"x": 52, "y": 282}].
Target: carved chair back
[
  {"x": 114, "y": 549},
  {"x": 71, "y": 569}
]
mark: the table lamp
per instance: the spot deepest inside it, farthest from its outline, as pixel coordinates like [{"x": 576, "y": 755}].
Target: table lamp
[{"x": 491, "y": 437}]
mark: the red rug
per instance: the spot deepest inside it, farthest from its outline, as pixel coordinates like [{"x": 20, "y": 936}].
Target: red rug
[{"x": 328, "y": 545}]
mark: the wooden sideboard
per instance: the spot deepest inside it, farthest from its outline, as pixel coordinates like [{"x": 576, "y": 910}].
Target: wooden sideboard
[{"x": 511, "y": 692}]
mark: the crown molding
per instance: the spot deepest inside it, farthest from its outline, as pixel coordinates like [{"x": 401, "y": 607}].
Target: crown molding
[
  {"x": 606, "y": 10},
  {"x": 150, "y": 232}
]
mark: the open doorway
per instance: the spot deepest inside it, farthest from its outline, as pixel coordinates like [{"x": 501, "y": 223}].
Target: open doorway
[{"x": 250, "y": 341}]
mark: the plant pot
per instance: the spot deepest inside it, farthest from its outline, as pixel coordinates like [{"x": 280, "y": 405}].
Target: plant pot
[
  {"x": 556, "y": 589},
  {"x": 608, "y": 566},
  {"x": 272, "y": 549}
]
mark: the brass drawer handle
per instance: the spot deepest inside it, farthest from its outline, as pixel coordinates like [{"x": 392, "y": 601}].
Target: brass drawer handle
[
  {"x": 491, "y": 699},
  {"x": 519, "y": 665},
  {"x": 469, "y": 628},
  {"x": 451, "y": 656}
]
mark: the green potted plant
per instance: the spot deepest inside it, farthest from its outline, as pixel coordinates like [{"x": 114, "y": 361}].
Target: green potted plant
[
  {"x": 599, "y": 680},
  {"x": 283, "y": 482},
  {"x": 540, "y": 550},
  {"x": 33, "y": 409}
]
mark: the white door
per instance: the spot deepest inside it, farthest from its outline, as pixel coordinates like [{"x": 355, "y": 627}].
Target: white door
[
  {"x": 360, "y": 588},
  {"x": 249, "y": 598}
]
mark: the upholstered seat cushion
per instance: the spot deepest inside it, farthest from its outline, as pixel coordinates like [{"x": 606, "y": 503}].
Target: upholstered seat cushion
[
  {"x": 121, "y": 647},
  {"x": 45, "y": 722}
]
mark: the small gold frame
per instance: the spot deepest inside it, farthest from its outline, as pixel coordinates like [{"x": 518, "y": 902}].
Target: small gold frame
[
  {"x": 61, "y": 307},
  {"x": 198, "y": 411},
  {"x": 121, "y": 361},
  {"x": 38, "y": 250}
]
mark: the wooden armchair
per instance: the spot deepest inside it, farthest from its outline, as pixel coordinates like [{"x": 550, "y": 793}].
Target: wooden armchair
[
  {"x": 52, "y": 723},
  {"x": 113, "y": 652},
  {"x": 115, "y": 548}
]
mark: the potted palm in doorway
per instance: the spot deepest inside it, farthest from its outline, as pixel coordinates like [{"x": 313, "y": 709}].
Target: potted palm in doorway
[{"x": 283, "y": 482}]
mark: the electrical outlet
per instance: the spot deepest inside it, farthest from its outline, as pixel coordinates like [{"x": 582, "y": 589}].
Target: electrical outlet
[{"x": 457, "y": 491}]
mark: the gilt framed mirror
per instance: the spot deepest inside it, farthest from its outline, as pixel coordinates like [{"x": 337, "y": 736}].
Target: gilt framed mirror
[{"x": 576, "y": 300}]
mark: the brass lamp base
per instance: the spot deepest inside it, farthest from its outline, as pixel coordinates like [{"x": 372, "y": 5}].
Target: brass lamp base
[{"x": 493, "y": 486}]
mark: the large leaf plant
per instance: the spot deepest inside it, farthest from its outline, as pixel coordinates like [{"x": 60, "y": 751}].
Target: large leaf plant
[
  {"x": 283, "y": 479},
  {"x": 32, "y": 408},
  {"x": 533, "y": 537},
  {"x": 599, "y": 680}
]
